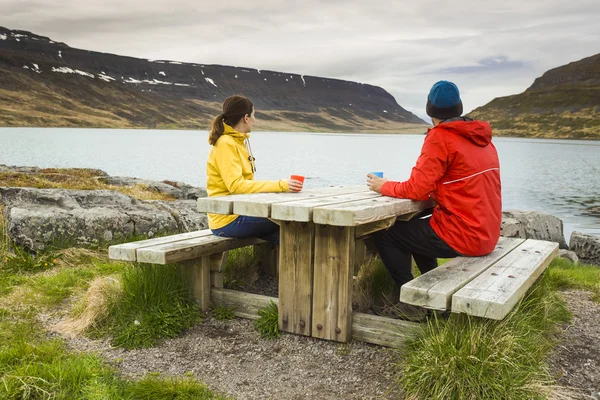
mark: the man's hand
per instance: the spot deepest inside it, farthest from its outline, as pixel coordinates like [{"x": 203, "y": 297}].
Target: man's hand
[{"x": 374, "y": 183}]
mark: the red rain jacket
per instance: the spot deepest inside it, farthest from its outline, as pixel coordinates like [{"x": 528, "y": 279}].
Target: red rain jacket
[{"x": 459, "y": 169}]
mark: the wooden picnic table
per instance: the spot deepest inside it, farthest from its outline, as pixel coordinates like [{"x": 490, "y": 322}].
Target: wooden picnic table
[{"x": 318, "y": 230}]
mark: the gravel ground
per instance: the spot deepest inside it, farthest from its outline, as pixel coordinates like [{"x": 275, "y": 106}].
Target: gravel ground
[
  {"x": 576, "y": 361},
  {"x": 231, "y": 358}
]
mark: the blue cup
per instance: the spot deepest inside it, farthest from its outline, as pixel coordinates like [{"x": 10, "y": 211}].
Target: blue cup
[{"x": 377, "y": 174}]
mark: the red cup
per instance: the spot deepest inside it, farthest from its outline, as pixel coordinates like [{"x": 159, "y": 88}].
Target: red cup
[{"x": 297, "y": 178}]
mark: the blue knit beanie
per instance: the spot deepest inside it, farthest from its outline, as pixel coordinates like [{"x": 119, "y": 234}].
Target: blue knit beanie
[{"x": 444, "y": 101}]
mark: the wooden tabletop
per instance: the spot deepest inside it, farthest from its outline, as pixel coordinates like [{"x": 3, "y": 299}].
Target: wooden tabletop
[{"x": 345, "y": 205}]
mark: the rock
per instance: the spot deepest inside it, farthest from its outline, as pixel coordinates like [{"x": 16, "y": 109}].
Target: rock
[
  {"x": 179, "y": 190},
  {"x": 533, "y": 225},
  {"x": 586, "y": 246},
  {"x": 568, "y": 255},
  {"x": 39, "y": 217},
  {"x": 14, "y": 168}
]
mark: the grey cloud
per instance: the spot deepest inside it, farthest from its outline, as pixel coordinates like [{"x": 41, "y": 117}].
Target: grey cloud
[
  {"x": 489, "y": 49},
  {"x": 501, "y": 63}
]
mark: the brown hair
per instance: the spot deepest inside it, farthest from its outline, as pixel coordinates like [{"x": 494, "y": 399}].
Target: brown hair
[{"x": 234, "y": 109}]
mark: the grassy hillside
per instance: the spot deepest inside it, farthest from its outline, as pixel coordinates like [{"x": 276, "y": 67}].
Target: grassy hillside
[{"x": 563, "y": 103}]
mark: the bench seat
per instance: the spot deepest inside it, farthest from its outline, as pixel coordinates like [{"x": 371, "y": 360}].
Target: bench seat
[
  {"x": 203, "y": 252},
  {"x": 488, "y": 286},
  {"x": 177, "y": 248}
]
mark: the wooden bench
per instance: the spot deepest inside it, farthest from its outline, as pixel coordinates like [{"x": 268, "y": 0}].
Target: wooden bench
[
  {"x": 205, "y": 253},
  {"x": 488, "y": 286}
]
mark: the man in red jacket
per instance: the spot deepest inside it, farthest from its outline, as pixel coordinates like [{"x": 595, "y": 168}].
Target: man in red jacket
[{"x": 458, "y": 168}]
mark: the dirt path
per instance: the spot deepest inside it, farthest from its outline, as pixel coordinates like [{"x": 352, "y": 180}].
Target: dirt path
[
  {"x": 231, "y": 358},
  {"x": 576, "y": 361}
]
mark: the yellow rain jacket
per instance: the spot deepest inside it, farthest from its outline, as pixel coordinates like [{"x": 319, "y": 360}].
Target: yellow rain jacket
[{"x": 229, "y": 171}]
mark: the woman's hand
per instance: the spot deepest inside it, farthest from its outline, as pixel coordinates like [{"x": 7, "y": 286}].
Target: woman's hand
[
  {"x": 374, "y": 182},
  {"x": 294, "y": 185}
]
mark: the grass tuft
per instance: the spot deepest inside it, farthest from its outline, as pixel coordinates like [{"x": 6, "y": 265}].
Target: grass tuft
[
  {"x": 474, "y": 358},
  {"x": 372, "y": 282},
  {"x": 241, "y": 271},
  {"x": 563, "y": 274},
  {"x": 155, "y": 388},
  {"x": 267, "y": 323},
  {"x": 76, "y": 179},
  {"x": 156, "y": 304},
  {"x": 33, "y": 367},
  {"x": 22, "y": 261},
  {"x": 223, "y": 313},
  {"x": 93, "y": 307}
]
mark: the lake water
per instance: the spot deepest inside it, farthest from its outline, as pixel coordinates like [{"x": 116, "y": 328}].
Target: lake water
[{"x": 559, "y": 177}]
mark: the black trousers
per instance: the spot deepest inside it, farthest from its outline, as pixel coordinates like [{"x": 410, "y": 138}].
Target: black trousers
[{"x": 406, "y": 238}]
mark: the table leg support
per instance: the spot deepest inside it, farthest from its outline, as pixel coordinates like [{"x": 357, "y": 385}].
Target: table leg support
[
  {"x": 332, "y": 290},
  {"x": 296, "y": 277},
  {"x": 200, "y": 280}
]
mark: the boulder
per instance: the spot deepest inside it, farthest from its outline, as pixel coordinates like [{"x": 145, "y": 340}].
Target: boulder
[
  {"x": 586, "y": 246},
  {"x": 37, "y": 218},
  {"x": 179, "y": 190},
  {"x": 568, "y": 255},
  {"x": 533, "y": 225}
]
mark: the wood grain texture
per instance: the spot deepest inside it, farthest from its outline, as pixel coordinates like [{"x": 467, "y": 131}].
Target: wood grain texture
[
  {"x": 382, "y": 330},
  {"x": 435, "y": 288},
  {"x": 226, "y": 204},
  {"x": 364, "y": 211},
  {"x": 366, "y": 328},
  {"x": 200, "y": 280},
  {"x": 127, "y": 251},
  {"x": 246, "y": 305},
  {"x": 302, "y": 210},
  {"x": 494, "y": 293},
  {"x": 296, "y": 277},
  {"x": 191, "y": 248},
  {"x": 332, "y": 290}
]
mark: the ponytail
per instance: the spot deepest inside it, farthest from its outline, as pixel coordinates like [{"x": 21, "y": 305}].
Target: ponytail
[{"x": 216, "y": 130}]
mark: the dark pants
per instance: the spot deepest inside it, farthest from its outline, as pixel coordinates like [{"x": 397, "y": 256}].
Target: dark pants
[
  {"x": 244, "y": 227},
  {"x": 406, "y": 238}
]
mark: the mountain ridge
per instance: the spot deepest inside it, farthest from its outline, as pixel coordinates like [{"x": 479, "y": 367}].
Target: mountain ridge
[
  {"x": 563, "y": 103},
  {"x": 48, "y": 83}
]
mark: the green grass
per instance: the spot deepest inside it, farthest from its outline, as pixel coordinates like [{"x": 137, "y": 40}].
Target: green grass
[
  {"x": 156, "y": 303},
  {"x": 155, "y": 388},
  {"x": 372, "y": 282},
  {"x": 223, "y": 313},
  {"x": 474, "y": 358},
  {"x": 267, "y": 322},
  {"x": 241, "y": 271},
  {"x": 562, "y": 274},
  {"x": 22, "y": 261},
  {"x": 32, "y": 367}
]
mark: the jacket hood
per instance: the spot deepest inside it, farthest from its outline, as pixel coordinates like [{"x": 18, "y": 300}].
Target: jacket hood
[{"x": 479, "y": 132}]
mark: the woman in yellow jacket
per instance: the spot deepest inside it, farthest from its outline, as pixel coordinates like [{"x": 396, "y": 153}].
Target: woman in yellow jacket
[{"x": 230, "y": 170}]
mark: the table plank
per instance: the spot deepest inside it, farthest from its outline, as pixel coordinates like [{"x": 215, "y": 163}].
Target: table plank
[
  {"x": 262, "y": 207},
  {"x": 364, "y": 211},
  {"x": 435, "y": 288},
  {"x": 302, "y": 210},
  {"x": 225, "y": 204},
  {"x": 494, "y": 293}
]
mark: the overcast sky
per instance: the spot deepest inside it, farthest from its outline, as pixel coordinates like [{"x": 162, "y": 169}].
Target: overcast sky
[{"x": 487, "y": 50}]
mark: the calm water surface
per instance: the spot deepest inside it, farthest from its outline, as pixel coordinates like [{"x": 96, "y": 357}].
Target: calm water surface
[{"x": 560, "y": 177}]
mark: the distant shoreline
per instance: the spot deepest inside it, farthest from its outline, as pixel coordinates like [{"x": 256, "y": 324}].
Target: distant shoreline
[{"x": 416, "y": 130}]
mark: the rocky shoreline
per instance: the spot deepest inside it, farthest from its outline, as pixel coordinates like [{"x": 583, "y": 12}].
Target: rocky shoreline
[{"x": 37, "y": 218}]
